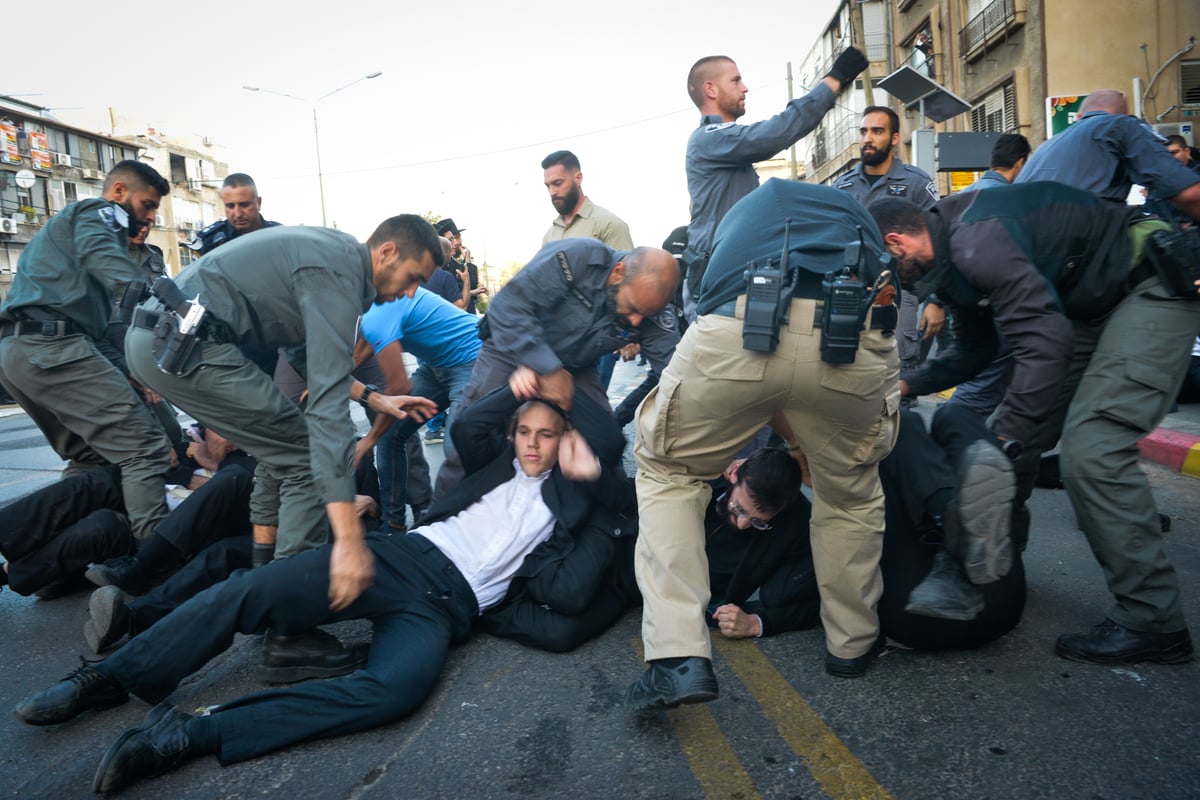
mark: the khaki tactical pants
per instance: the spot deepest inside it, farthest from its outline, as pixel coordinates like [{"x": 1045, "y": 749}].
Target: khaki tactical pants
[{"x": 712, "y": 398}]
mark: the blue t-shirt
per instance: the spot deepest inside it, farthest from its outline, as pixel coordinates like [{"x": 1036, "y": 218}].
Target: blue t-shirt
[{"x": 436, "y": 332}]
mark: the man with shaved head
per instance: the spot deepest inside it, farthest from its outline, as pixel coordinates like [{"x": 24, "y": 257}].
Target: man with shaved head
[
  {"x": 1106, "y": 152},
  {"x": 721, "y": 154},
  {"x": 576, "y": 300}
]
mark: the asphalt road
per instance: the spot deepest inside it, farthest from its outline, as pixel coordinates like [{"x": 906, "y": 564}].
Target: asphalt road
[{"x": 1010, "y": 720}]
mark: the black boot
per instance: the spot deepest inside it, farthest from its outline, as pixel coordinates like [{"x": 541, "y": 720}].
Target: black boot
[
  {"x": 673, "y": 681},
  {"x": 312, "y": 654},
  {"x": 1110, "y": 643},
  {"x": 945, "y": 593}
]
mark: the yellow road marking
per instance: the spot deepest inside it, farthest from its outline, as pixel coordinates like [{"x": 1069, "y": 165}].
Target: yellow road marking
[
  {"x": 839, "y": 773},
  {"x": 710, "y": 757}
]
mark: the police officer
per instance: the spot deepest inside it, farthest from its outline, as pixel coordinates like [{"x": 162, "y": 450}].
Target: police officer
[
  {"x": 281, "y": 287},
  {"x": 243, "y": 214},
  {"x": 574, "y": 301},
  {"x": 53, "y": 325},
  {"x": 881, "y": 173},
  {"x": 721, "y": 154},
  {"x": 1100, "y": 347},
  {"x": 714, "y": 396},
  {"x": 1106, "y": 152}
]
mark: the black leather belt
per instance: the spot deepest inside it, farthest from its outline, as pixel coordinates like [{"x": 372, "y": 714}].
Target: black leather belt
[
  {"x": 45, "y": 327},
  {"x": 879, "y": 321}
]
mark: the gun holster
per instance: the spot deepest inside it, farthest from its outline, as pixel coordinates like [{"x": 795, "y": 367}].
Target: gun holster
[
  {"x": 176, "y": 353},
  {"x": 1175, "y": 256}
]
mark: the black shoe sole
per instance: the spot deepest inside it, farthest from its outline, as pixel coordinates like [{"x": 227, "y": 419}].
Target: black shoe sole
[
  {"x": 985, "y": 513},
  {"x": 103, "y": 606},
  {"x": 1172, "y": 655},
  {"x": 660, "y": 704}
]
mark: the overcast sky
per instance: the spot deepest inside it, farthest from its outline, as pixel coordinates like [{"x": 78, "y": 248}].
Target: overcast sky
[{"x": 472, "y": 96}]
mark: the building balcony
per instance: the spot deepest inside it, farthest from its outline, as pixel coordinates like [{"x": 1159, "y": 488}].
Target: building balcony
[{"x": 990, "y": 27}]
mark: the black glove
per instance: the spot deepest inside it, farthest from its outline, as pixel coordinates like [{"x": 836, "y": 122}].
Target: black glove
[{"x": 848, "y": 65}]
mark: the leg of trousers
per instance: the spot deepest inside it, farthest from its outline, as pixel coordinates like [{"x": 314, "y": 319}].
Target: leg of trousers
[
  {"x": 917, "y": 466},
  {"x": 229, "y": 394},
  {"x": 416, "y": 607},
  {"x": 31, "y": 522},
  {"x": 1139, "y": 356},
  {"x": 211, "y": 565},
  {"x": 99, "y": 536},
  {"x": 907, "y": 558},
  {"x": 217, "y": 510},
  {"x": 85, "y": 406},
  {"x": 712, "y": 398}
]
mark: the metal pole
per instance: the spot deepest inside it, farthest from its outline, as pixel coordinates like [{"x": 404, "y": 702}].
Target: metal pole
[
  {"x": 792, "y": 149},
  {"x": 320, "y": 173}
]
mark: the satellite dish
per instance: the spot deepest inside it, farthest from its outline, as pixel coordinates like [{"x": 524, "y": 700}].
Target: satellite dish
[{"x": 25, "y": 178}]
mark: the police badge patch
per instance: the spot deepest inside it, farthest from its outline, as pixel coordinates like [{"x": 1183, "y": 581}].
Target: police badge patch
[{"x": 897, "y": 190}]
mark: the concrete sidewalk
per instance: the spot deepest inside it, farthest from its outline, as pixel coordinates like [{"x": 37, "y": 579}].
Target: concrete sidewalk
[{"x": 1175, "y": 444}]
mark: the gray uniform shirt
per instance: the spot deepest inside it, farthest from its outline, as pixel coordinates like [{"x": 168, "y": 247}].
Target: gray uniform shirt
[
  {"x": 1106, "y": 154},
  {"x": 901, "y": 180},
  {"x": 550, "y": 316},
  {"x": 76, "y": 266},
  {"x": 297, "y": 286},
  {"x": 720, "y": 159}
]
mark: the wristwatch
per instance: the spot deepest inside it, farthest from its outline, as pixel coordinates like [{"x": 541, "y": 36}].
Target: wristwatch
[
  {"x": 1010, "y": 448},
  {"x": 368, "y": 390}
]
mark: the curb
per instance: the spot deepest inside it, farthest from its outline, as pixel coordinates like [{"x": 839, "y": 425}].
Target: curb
[{"x": 1177, "y": 451}]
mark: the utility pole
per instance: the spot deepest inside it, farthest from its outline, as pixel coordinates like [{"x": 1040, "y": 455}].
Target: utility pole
[
  {"x": 792, "y": 149},
  {"x": 859, "y": 39}
]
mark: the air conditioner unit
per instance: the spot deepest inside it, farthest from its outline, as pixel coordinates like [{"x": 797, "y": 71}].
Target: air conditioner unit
[
  {"x": 195, "y": 184},
  {"x": 62, "y": 160},
  {"x": 8, "y": 225},
  {"x": 158, "y": 220},
  {"x": 1184, "y": 129},
  {"x": 185, "y": 224},
  {"x": 93, "y": 175}
]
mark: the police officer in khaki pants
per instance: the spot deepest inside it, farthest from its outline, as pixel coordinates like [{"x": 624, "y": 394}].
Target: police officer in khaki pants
[{"x": 715, "y": 395}]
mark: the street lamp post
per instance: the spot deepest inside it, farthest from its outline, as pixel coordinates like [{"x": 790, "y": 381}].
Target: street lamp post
[{"x": 316, "y": 126}]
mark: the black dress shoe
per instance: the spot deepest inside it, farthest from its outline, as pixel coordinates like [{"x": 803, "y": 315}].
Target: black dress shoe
[
  {"x": 662, "y": 686},
  {"x": 854, "y": 667},
  {"x": 1110, "y": 643},
  {"x": 126, "y": 573},
  {"x": 110, "y": 619},
  {"x": 83, "y": 689},
  {"x": 159, "y": 745},
  {"x": 312, "y": 654}
]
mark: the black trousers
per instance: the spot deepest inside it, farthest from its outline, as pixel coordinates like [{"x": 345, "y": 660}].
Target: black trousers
[
  {"x": 419, "y": 604},
  {"x": 59, "y": 529},
  {"x": 920, "y": 464},
  {"x": 220, "y": 508}
]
